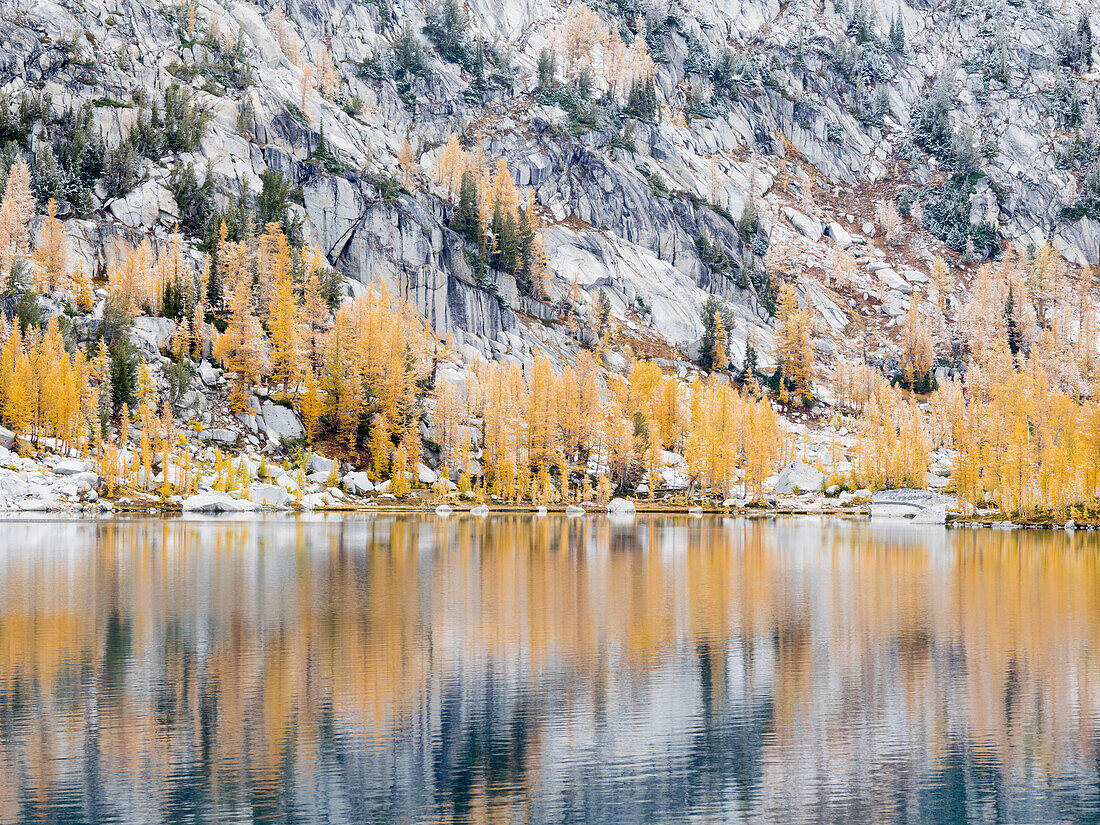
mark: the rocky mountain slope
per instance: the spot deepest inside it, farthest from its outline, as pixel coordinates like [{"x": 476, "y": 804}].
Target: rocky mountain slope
[{"x": 805, "y": 106}]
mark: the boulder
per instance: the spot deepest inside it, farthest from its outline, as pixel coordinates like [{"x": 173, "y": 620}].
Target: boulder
[
  {"x": 919, "y": 506},
  {"x": 13, "y": 485},
  {"x": 358, "y": 484},
  {"x": 425, "y": 474},
  {"x": 69, "y": 467},
  {"x": 935, "y": 482},
  {"x": 480, "y": 510},
  {"x": 40, "y": 505},
  {"x": 896, "y": 305},
  {"x": 892, "y": 280},
  {"x": 281, "y": 422},
  {"x": 695, "y": 511},
  {"x": 621, "y": 507},
  {"x": 670, "y": 478},
  {"x": 86, "y": 480},
  {"x": 319, "y": 464},
  {"x": 220, "y": 435},
  {"x": 157, "y": 331},
  {"x": 574, "y": 510},
  {"x": 806, "y": 224},
  {"x": 839, "y": 235},
  {"x": 269, "y": 495},
  {"x": 444, "y": 510},
  {"x": 933, "y": 514},
  {"x": 209, "y": 374},
  {"x": 798, "y": 477},
  {"x": 215, "y": 502},
  {"x": 312, "y": 501}
]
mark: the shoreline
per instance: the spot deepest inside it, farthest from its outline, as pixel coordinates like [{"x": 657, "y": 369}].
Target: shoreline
[{"x": 857, "y": 513}]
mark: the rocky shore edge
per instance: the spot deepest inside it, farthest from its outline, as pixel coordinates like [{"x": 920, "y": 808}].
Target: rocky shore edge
[{"x": 68, "y": 486}]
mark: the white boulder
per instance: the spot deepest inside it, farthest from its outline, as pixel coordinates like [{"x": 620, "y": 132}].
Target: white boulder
[
  {"x": 621, "y": 507},
  {"x": 39, "y": 505},
  {"x": 216, "y": 502},
  {"x": 919, "y": 506},
  {"x": 798, "y": 477},
  {"x": 806, "y": 224},
  {"x": 312, "y": 501},
  {"x": 269, "y": 495},
  {"x": 281, "y": 422},
  {"x": 425, "y": 474},
  {"x": 839, "y": 235},
  {"x": 13, "y": 485},
  {"x": 358, "y": 483},
  {"x": 209, "y": 374},
  {"x": 319, "y": 464},
  {"x": 69, "y": 467}
]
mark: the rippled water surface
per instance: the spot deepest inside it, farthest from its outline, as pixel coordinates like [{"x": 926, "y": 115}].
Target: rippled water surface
[{"x": 526, "y": 670}]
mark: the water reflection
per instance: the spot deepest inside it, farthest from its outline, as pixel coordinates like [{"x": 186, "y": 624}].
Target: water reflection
[{"x": 516, "y": 669}]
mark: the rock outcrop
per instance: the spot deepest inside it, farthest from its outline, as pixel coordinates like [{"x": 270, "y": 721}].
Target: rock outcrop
[
  {"x": 918, "y": 506},
  {"x": 798, "y": 477},
  {"x": 215, "y": 502}
]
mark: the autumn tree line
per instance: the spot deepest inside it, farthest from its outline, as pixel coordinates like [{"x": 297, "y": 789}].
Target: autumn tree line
[
  {"x": 364, "y": 374},
  {"x": 1023, "y": 420}
]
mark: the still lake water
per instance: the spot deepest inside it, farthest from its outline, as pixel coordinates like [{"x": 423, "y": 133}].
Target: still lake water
[{"x": 523, "y": 670}]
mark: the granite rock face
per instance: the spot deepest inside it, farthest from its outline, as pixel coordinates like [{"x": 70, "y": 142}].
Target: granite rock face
[{"x": 281, "y": 422}]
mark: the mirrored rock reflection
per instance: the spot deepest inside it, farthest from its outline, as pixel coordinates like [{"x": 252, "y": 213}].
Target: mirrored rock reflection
[{"x": 517, "y": 669}]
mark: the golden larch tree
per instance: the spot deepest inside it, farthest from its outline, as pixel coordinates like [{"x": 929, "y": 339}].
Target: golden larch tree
[
  {"x": 51, "y": 255},
  {"x": 794, "y": 347},
  {"x": 16, "y": 210},
  {"x": 241, "y": 347}
]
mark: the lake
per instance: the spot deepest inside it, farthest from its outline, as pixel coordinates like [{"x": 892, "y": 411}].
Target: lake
[{"x": 518, "y": 669}]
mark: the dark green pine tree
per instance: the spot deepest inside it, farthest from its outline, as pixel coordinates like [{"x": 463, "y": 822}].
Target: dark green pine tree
[
  {"x": 1014, "y": 342},
  {"x": 505, "y": 251},
  {"x": 748, "y": 368},
  {"x": 1084, "y": 43},
  {"x": 641, "y": 102},
  {"x": 525, "y": 247},
  {"x": 897, "y": 36},
  {"x": 509, "y": 244},
  {"x": 466, "y": 221}
]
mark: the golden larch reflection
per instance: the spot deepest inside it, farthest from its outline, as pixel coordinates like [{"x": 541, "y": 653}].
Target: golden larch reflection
[{"x": 274, "y": 664}]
